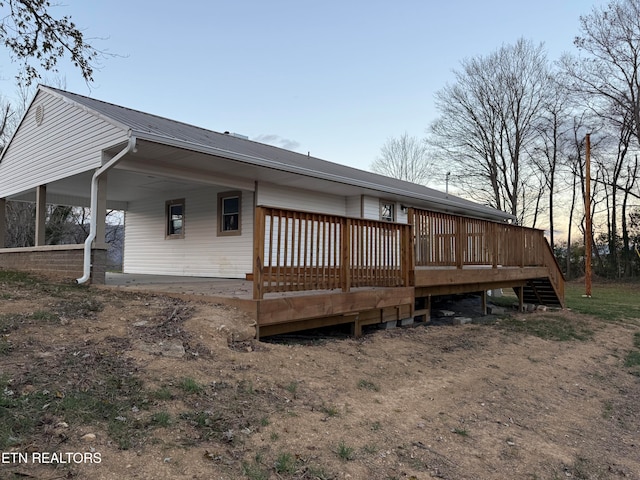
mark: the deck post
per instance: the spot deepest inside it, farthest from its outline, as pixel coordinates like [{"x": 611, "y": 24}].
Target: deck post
[
  {"x": 483, "y": 302},
  {"x": 356, "y": 328},
  {"x": 520, "y": 293},
  {"x": 407, "y": 256},
  {"x": 522, "y": 247},
  {"x": 258, "y": 253},
  {"x": 494, "y": 243},
  {"x": 459, "y": 243},
  {"x": 345, "y": 246}
]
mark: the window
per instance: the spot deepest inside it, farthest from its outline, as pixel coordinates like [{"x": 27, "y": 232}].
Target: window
[
  {"x": 387, "y": 211},
  {"x": 229, "y": 218},
  {"x": 175, "y": 218}
]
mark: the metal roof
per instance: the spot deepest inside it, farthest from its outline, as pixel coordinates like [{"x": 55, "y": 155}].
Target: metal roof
[{"x": 171, "y": 132}]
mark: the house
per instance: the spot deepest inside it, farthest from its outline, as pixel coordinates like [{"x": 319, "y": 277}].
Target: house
[{"x": 206, "y": 204}]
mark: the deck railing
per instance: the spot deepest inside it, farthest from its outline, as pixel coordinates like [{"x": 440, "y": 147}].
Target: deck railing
[
  {"x": 296, "y": 250},
  {"x": 443, "y": 240}
]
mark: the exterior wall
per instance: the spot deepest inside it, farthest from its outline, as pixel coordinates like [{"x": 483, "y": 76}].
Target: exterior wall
[
  {"x": 68, "y": 141},
  {"x": 297, "y": 199},
  {"x": 354, "y": 206},
  {"x": 201, "y": 253},
  {"x": 371, "y": 207},
  {"x": 62, "y": 262}
]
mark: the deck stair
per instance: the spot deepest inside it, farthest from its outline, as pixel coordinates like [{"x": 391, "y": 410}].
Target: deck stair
[{"x": 540, "y": 291}]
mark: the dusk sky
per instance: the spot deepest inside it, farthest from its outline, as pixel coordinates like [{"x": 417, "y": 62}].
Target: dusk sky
[{"x": 333, "y": 78}]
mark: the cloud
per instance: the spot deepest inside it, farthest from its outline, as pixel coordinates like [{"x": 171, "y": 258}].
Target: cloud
[{"x": 277, "y": 141}]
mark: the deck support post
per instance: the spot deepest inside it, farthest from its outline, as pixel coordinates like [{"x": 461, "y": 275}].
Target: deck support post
[
  {"x": 520, "y": 292},
  {"x": 483, "y": 302},
  {"x": 356, "y": 328}
]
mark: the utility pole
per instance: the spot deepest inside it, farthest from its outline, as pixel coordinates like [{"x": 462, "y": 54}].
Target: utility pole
[{"x": 587, "y": 217}]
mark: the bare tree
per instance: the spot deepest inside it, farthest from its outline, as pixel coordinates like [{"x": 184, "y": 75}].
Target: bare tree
[
  {"x": 631, "y": 182},
  {"x": 486, "y": 126},
  {"x": 614, "y": 170},
  {"x": 405, "y": 158},
  {"x": 33, "y": 34},
  {"x": 553, "y": 146},
  {"x": 20, "y": 224},
  {"x": 607, "y": 76},
  {"x": 610, "y": 67}
]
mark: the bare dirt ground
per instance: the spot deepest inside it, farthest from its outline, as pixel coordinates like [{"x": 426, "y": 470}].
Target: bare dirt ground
[{"x": 152, "y": 388}]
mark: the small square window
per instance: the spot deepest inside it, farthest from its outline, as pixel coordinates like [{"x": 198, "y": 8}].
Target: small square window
[
  {"x": 175, "y": 219},
  {"x": 387, "y": 211},
  {"x": 229, "y": 213}
]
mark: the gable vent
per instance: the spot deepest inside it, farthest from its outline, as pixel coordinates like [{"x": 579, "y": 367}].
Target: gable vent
[{"x": 39, "y": 114}]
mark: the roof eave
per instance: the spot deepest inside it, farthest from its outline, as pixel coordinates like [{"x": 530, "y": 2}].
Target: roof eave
[{"x": 479, "y": 210}]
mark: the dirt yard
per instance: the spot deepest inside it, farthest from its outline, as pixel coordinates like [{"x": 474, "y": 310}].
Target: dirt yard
[{"x": 98, "y": 384}]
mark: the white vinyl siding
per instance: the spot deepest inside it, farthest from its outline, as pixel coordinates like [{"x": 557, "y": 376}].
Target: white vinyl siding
[
  {"x": 371, "y": 208},
  {"x": 303, "y": 200},
  {"x": 69, "y": 141},
  {"x": 201, "y": 253},
  {"x": 354, "y": 206}
]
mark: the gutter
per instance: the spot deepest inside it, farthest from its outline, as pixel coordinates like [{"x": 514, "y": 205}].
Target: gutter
[{"x": 93, "y": 224}]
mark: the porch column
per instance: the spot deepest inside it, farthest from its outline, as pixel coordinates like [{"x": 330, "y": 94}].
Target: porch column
[
  {"x": 41, "y": 214},
  {"x": 101, "y": 214},
  {"x": 3, "y": 222}
]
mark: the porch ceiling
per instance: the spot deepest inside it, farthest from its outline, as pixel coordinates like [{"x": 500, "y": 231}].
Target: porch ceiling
[{"x": 168, "y": 162}]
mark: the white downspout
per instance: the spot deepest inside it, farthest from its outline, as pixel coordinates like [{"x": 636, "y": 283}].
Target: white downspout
[{"x": 93, "y": 225}]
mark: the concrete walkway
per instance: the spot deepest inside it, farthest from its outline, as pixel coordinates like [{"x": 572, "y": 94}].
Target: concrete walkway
[{"x": 215, "y": 287}]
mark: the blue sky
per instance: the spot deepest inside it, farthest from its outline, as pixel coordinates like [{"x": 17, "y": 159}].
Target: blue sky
[{"x": 333, "y": 78}]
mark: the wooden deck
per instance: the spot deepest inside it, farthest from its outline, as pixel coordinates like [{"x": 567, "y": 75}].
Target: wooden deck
[
  {"x": 313, "y": 270},
  {"x": 398, "y": 266}
]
